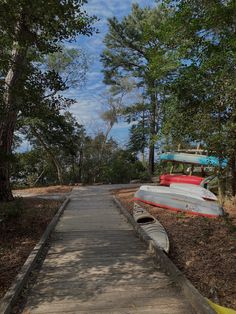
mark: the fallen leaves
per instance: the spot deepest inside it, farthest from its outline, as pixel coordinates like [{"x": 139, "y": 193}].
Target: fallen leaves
[
  {"x": 203, "y": 249},
  {"x": 20, "y": 234}
]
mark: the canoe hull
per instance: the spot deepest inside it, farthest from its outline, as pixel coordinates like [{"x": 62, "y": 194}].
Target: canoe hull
[
  {"x": 178, "y": 203},
  {"x": 194, "y": 159},
  {"x": 167, "y": 190},
  {"x": 194, "y": 189},
  {"x": 152, "y": 227},
  {"x": 167, "y": 179}
]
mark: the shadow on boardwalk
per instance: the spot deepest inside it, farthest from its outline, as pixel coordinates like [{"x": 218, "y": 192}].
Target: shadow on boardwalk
[{"x": 97, "y": 265}]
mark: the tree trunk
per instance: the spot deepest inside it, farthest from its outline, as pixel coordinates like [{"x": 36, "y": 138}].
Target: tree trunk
[
  {"x": 221, "y": 187},
  {"x": 59, "y": 171},
  {"x": 233, "y": 173},
  {"x": 151, "y": 160},
  {"x": 50, "y": 154},
  {"x": 73, "y": 171},
  {"x": 80, "y": 165},
  {"x": 153, "y": 132},
  {"x": 38, "y": 178},
  {"x": 143, "y": 139},
  {"x": 9, "y": 114},
  {"x": 6, "y": 139},
  {"x": 110, "y": 126}
]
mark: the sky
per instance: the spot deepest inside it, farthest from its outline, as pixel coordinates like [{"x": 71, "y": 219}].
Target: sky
[{"x": 89, "y": 99}]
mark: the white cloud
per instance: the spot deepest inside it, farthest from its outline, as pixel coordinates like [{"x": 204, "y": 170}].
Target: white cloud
[
  {"x": 84, "y": 109},
  {"x": 89, "y": 98}
]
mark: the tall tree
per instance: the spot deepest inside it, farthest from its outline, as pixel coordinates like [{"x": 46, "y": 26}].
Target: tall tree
[
  {"x": 29, "y": 30},
  {"x": 138, "y": 139},
  {"x": 203, "y": 93},
  {"x": 134, "y": 47}
]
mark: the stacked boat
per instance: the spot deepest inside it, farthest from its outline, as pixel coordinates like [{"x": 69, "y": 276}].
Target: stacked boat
[
  {"x": 192, "y": 159},
  {"x": 187, "y": 198},
  {"x": 183, "y": 193},
  {"x": 167, "y": 179}
]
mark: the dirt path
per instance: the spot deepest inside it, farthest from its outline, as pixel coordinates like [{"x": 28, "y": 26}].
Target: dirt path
[{"x": 57, "y": 192}]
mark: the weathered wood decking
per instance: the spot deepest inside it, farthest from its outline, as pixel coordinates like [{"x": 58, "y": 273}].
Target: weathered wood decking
[{"x": 96, "y": 264}]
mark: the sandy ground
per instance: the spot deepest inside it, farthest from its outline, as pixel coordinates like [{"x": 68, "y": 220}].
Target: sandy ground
[{"x": 50, "y": 192}]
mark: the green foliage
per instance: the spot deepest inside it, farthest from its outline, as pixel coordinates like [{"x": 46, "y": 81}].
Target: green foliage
[
  {"x": 26, "y": 167},
  {"x": 204, "y": 91},
  {"x": 138, "y": 138},
  {"x": 201, "y": 107},
  {"x": 179, "y": 57},
  {"x": 182, "y": 56},
  {"x": 136, "y": 47},
  {"x": 70, "y": 64},
  {"x": 58, "y": 137},
  {"x": 29, "y": 32},
  {"x": 41, "y": 27},
  {"x": 122, "y": 168}
]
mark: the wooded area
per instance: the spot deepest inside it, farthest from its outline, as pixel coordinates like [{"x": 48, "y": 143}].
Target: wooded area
[
  {"x": 171, "y": 74},
  {"x": 180, "y": 56}
]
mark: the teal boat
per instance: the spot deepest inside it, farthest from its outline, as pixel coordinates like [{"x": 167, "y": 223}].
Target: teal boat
[{"x": 197, "y": 159}]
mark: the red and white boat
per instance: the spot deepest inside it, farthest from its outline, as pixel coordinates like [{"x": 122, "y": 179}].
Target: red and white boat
[
  {"x": 179, "y": 201},
  {"x": 190, "y": 189}
]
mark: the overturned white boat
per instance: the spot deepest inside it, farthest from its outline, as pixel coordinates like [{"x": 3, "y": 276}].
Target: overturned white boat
[
  {"x": 195, "y": 189},
  {"x": 152, "y": 227},
  {"x": 173, "y": 199},
  {"x": 168, "y": 190}
]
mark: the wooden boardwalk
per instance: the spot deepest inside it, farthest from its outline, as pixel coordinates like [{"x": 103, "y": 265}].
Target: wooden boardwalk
[{"x": 96, "y": 264}]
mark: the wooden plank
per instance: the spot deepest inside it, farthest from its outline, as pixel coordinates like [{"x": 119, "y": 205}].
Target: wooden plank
[
  {"x": 107, "y": 281},
  {"x": 82, "y": 293},
  {"x": 74, "y": 272},
  {"x": 165, "y": 305},
  {"x": 96, "y": 264},
  {"x": 162, "y": 309}
]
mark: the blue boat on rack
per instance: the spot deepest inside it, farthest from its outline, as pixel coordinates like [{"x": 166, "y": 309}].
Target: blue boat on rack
[{"x": 197, "y": 159}]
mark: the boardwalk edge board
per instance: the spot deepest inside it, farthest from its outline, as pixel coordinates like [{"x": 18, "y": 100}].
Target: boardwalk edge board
[
  {"x": 9, "y": 299},
  {"x": 196, "y": 300}
]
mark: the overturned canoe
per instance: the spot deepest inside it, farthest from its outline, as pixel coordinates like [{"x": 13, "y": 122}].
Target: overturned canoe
[
  {"x": 197, "y": 159},
  {"x": 167, "y": 179},
  {"x": 178, "y": 202},
  {"x": 169, "y": 190},
  {"x": 152, "y": 227},
  {"x": 193, "y": 189}
]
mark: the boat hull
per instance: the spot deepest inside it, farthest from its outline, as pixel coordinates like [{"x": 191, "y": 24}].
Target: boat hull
[
  {"x": 167, "y": 179},
  {"x": 194, "y": 159},
  {"x": 194, "y": 189},
  {"x": 167, "y": 190},
  {"x": 180, "y": 203},
  {"x": 152, "y": 227}
]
